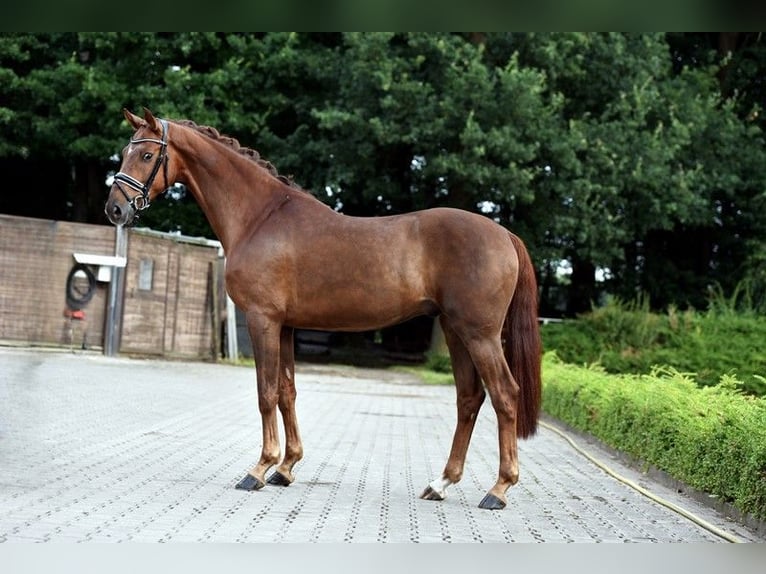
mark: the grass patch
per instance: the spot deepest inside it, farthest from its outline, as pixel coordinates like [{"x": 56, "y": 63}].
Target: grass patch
[{"x": 429, "y": 376}]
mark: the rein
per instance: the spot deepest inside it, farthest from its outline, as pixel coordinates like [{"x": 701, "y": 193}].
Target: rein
[{"x": 144, "y": 188}]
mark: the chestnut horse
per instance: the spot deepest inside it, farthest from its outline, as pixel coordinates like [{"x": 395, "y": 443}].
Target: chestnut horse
[{"x": 293, "y": 262}]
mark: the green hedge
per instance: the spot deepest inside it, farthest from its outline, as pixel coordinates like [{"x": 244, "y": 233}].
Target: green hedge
[{"x": 711, "y": 438}]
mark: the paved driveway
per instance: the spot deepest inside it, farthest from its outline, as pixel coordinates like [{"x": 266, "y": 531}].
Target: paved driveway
[{"x": 116, "y": 449}]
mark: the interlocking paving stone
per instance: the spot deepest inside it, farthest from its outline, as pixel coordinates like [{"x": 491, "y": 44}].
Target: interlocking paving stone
[{"x": 96, "y": 449}]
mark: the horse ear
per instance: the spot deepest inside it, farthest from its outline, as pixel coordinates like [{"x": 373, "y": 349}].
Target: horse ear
[
  {"x": 132, "y": 118},
  {"x": 151, "y": 121}
]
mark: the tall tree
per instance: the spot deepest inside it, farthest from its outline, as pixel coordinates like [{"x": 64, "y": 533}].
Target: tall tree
[{"x": 653, "y": 147}]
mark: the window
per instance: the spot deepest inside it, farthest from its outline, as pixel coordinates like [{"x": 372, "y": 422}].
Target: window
[{"x": 145, "y": 274}]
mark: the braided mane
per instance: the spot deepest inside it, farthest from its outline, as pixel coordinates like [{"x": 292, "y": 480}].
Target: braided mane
[{"x": 249, "y": 153}]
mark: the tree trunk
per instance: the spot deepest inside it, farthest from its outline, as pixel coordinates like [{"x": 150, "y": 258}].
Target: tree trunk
[{"x": 582, "y": 293}]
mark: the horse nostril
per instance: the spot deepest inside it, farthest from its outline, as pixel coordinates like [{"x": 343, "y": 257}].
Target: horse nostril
[{"x": 116, "y": 211}]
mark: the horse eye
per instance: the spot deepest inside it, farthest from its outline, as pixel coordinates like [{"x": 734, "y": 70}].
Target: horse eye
[{"x": 147, "y": 156}]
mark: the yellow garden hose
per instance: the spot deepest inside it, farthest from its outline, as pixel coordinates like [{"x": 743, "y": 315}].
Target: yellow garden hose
[{"x": 683, "y": 512}]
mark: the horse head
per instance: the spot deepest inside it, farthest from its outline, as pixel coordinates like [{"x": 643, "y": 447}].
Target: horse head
[{"x": 136, "y": 184}]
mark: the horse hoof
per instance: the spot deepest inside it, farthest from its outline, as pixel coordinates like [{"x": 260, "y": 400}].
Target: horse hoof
[
  {"x": 491, "y": 502},
  {"x": 430, "y": 494},
  {"x": 250, "y": 483},
  {"x": 278, "y": 479}
]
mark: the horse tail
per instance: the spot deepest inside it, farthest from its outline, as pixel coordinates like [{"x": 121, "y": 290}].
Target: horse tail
[{"x": 522, "y": 344}]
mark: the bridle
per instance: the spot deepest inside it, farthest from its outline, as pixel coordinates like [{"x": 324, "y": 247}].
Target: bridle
[{"x": 139, "y": 202}]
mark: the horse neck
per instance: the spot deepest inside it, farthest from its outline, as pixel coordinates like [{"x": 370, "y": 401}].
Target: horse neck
[{"x": 233, "y": 191}]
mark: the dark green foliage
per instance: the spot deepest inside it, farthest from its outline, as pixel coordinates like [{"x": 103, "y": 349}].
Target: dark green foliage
[
  {"x": 713, "y": 438},
  {"x": 628, "y": 338},
  {"x": 639, "y": 156}
]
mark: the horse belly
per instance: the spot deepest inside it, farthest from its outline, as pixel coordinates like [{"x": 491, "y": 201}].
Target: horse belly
[{"x": 359, "y": 305}]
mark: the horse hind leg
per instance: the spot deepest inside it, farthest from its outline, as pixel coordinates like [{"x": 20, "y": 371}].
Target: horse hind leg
[
  {"x": 470, "y": 396},
  {"x": 283, "y": 475},
  {"x": 504, "y": 393}
]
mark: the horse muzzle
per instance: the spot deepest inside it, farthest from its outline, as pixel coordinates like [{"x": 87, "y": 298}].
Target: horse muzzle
[{"x": 119, "y": 212}]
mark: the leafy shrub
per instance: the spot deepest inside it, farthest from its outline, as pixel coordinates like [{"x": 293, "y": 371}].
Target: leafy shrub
[{"x": 628, "y": 338}]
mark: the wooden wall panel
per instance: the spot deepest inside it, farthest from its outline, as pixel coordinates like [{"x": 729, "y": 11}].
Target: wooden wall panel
[
  {"x": 143, "y": 311},
  {"x": 174, "y": 318},
  {"x": 168, "y": 314},
  {"x": 35, "y": 259},
  {"x": 193, "y": 333}
]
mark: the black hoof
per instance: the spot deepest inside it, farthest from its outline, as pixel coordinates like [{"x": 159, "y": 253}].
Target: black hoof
[
  {"x": 250, "y": 483},
  {"x": 278, "y": 479},
  {"x": 430, "y": 494},
  {"x": 491, "y": 502}
]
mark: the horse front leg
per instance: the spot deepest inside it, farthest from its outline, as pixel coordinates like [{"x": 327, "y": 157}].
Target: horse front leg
[
  {"x": 265, "y": 335},
  {"x": 283, "y": 475}
]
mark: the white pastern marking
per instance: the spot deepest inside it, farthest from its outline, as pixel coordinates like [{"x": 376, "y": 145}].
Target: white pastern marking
[{"x": 439, "y": 486}]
